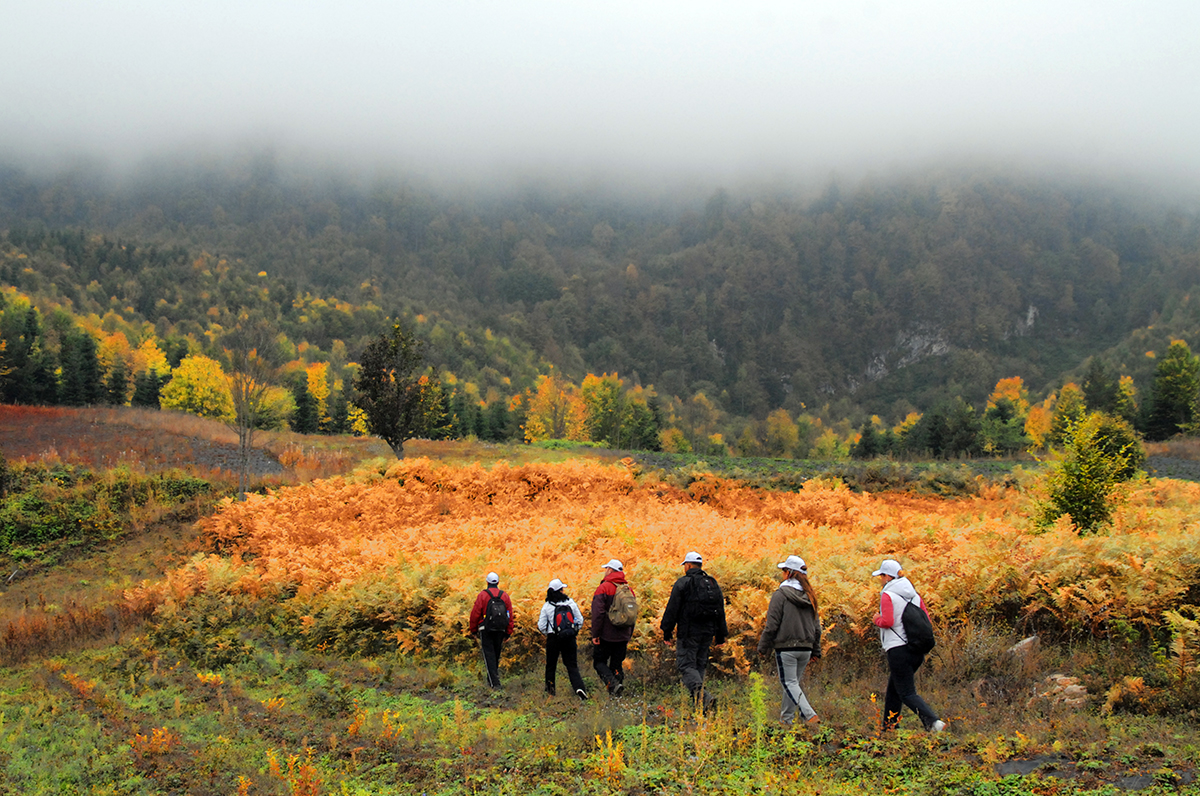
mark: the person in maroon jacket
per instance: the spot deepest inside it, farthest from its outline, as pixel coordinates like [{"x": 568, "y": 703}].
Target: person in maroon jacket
[
  {"x": 492, "y": 619},
  {"x": 610, "y": 644}
]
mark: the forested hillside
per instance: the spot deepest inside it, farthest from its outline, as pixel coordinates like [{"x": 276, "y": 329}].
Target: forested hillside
[{"x": 881, "y": 297}]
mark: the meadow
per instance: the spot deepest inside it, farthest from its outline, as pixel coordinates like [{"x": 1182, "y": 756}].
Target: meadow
[{"x": 314, "y": 641}]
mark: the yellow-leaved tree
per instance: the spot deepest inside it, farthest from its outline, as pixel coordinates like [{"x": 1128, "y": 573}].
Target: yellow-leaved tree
[
  {"x": 149, "y": 358},
  {"x": 556, "y": 411},
  {"x": 318, "y": 387},
  {"x": 618, "y": 415},
  {"x": 199, "y": 385},
  {"x": 783, "y": 435}
]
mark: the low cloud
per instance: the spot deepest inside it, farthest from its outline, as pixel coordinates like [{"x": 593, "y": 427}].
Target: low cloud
[{"x": 708, "y": 89}]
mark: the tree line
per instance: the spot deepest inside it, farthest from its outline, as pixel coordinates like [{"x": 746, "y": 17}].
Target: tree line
[{"x": 885, "y": 298}]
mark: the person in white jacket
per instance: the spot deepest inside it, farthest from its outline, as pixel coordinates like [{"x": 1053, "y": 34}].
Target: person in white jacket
[
  {"x": 560, "y": 621},
  {"x": 903, "y": 660}
]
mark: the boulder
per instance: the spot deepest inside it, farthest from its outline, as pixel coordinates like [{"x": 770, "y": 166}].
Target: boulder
[{"x": 1060, "y": 690}]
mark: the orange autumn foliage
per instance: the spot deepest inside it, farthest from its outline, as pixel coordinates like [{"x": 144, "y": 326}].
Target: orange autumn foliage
[{"x": 401, "y": 556}]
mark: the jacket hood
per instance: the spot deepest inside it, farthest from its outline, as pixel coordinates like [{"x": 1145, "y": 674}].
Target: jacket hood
[
  {"x": 614, "y": 577},
  {"x": 902, "y": 588},
  {"x": 795, "y": 596}
]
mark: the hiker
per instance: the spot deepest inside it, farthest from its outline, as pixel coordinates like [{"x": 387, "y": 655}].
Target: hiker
[
  {"x": 793, "y": 632},
  {"x": 492, "y": 619},
  {"x": 613, "y": 600},
  {"x": 697, "y": 609},
  {"x": 903, "y": 658},
  {"x": 560, "y": 621}
]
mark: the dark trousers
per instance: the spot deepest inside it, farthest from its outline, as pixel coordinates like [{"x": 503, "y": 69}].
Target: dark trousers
[
  {"x": 607, "y": 657},
  {"x": 691, "y": 658},
  {"x": 902, "y": 688},
  {"x": 492, "y": 642},
  {"x": 557, "y": 646}
]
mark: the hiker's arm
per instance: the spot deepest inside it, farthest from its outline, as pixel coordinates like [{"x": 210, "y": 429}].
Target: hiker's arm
[{"x": 886, "y": 616}]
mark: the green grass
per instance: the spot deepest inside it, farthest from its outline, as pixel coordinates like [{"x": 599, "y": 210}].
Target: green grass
[
  {"x": 937, "y": 478},
  {"x": 86, "y": 723}
]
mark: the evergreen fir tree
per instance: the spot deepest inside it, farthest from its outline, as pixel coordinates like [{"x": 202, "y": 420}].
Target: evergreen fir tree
[
  {"x": 304, "y": 420},
  {"x": 1099, "y": 388},
  {"x": 499, "y": 421},
  {"x": 339, "y": 413},
  {"x": 1174, "y": 402},
  {"x": 146, "y": 389},
  {"x": 81, "y": 384},
  {"x": 867, "y": 446},
  {"x": 117, "y": 385}
]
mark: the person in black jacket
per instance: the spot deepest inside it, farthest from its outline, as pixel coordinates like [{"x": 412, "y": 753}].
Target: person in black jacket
[
  {"x": 793, "y": 632},
  {"x": 696, "y": 614}
]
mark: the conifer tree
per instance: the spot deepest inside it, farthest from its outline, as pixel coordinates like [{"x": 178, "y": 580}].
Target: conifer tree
[
  {"x": 146, "y": 389},
  {"x": 1099, "y": 389},
  {"x": 116, "y": 387},
  {"x": 868, "y": 446},
  {"x": 304, "y": 419},
  {"x": 499, "y": 421},
  {"x": 81, "y": 383},
  {"x": 1174, "y": 401}
]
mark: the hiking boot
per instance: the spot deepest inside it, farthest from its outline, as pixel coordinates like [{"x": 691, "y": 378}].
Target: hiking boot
[
  {"x": 938, "y": 726},
  {"x": 549, "y": 690},
  {"x": 618, "y": 689},
  {"x": 813, "y": 723},
  {"x": 579, "y": 692},
  {"x": 710, "y": 704}
]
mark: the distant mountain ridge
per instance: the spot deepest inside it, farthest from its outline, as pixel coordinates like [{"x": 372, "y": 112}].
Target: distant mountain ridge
[{"x": 879, "y": 298}]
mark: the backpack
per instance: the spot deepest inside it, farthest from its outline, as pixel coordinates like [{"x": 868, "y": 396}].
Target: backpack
[
  {"x": 624, "y": 609},
  {"x": 563, "y": 623},
  {"x": 706, "y": 602},
  {"x": 495, "y": 614},
  {"x": 918, "y": 628}
]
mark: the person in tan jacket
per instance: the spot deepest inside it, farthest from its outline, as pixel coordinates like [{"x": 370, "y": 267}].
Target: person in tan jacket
[{"x": 793, "y": 633}]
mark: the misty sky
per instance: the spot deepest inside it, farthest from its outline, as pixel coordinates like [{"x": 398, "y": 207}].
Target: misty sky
[{"x": 637, "y": 86}]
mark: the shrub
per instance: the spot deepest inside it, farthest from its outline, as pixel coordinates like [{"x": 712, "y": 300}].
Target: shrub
[
  {"x": 1083, "y": 482},
  {"x": 46, "y": 503}
]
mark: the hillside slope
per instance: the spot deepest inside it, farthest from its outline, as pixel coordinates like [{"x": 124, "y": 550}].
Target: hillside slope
[{"x": 887, "y": 295}]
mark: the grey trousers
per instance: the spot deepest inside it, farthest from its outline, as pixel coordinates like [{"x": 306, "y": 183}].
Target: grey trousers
[
  {"x": 691, "y": 658},
  {"x": 791, "y": 665}
]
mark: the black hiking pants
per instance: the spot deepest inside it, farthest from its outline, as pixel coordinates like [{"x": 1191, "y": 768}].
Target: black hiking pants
[
  {"x": 556, "y": 647},
  {"x": 492, "y": 642},
  {"x": 607, "y": 657},
  {"x": 903, "y": 663}
]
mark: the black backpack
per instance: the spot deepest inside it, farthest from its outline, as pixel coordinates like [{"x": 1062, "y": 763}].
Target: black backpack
[
  {"x": 918, "y": 628},
  {"x": 563, "y": 624},
  {"x": 495, "y": 615},
  {"x": 706, "y": 602}
]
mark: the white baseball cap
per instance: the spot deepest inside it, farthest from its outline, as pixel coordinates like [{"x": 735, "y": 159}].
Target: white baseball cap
[
  {"x": 556, "y": 585},
  {"x": 794, "y": 563},
  {"x": 888, "y": 567},
  {"x": 493, "y": 578},
  {"x": 614, "y": 564},
  {"x": 693, "y": 558}
]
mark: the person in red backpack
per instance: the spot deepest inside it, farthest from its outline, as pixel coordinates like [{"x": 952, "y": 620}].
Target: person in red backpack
[
  {"x": 610, "y": 644},
  {"x": 560, "y": 621},
  {"x": 492, "y": 619}
]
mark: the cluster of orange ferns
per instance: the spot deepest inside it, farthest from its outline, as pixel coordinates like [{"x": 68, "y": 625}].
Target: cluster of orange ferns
[{"x": 405, "y": 553}]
